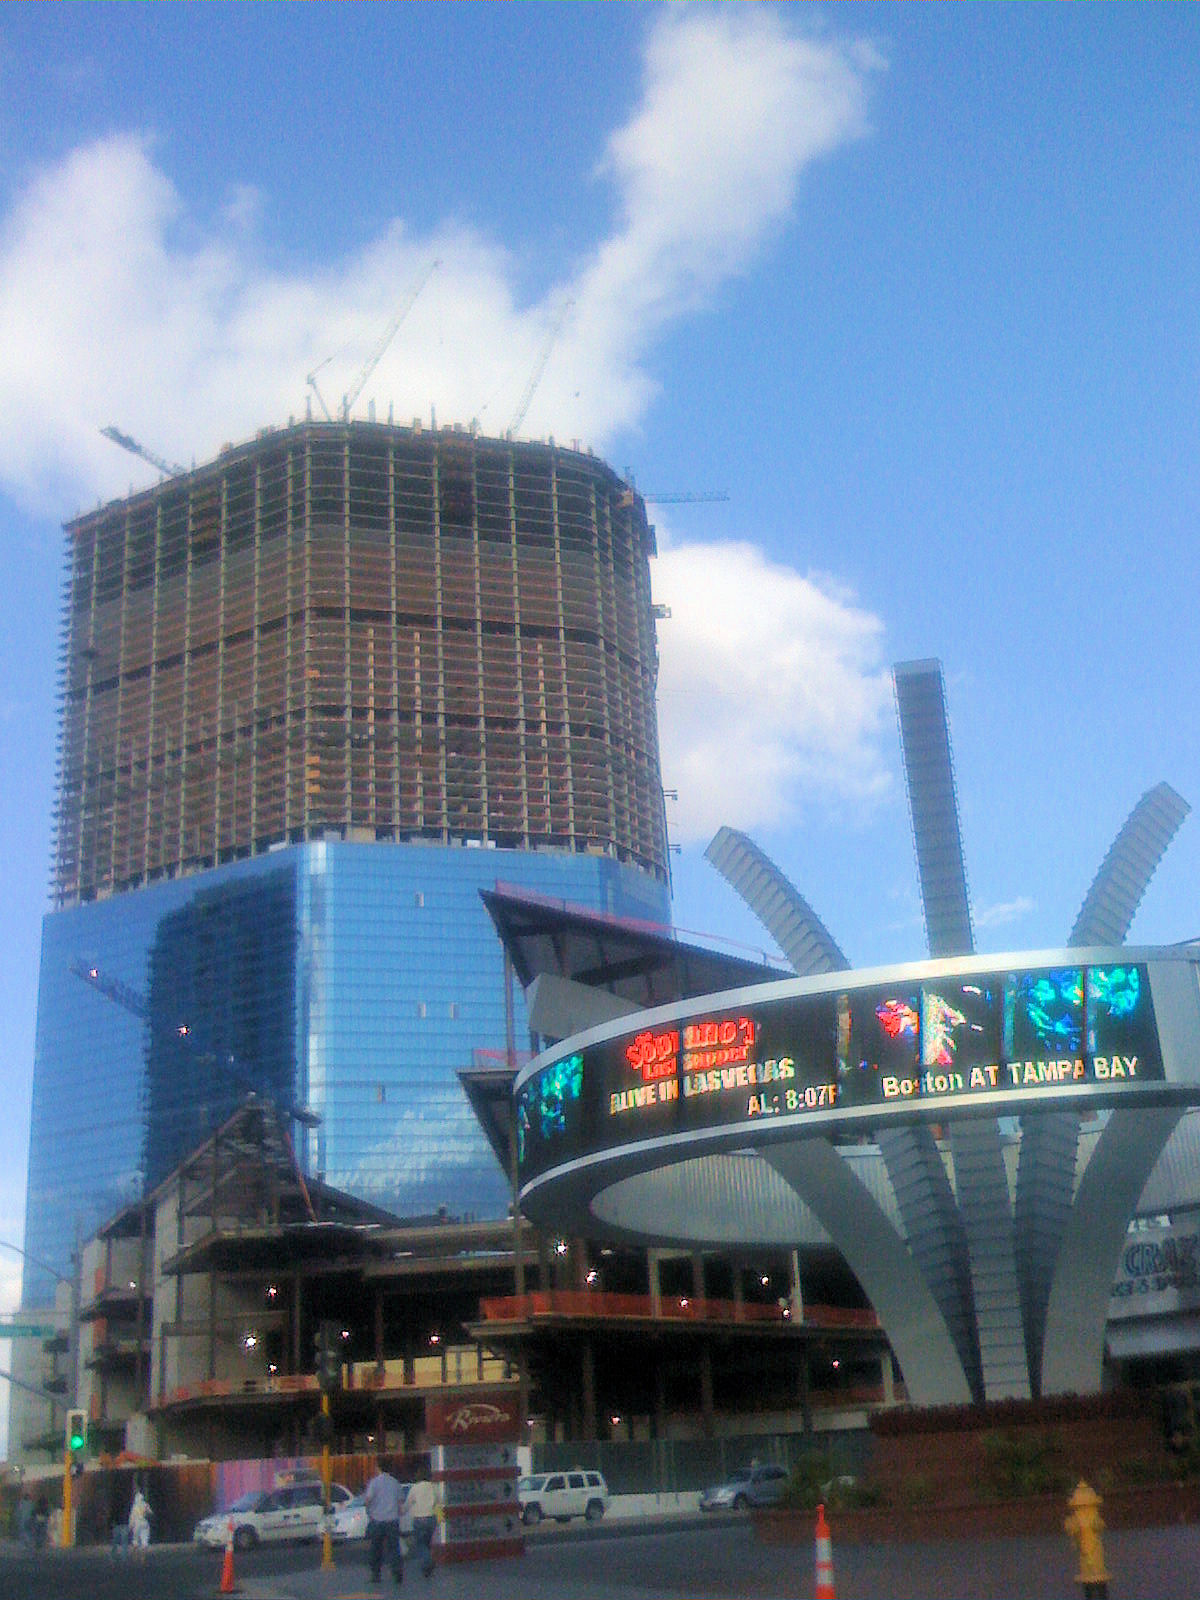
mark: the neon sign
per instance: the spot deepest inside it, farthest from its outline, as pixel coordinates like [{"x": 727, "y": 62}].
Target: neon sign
[{"x": 851, "y": 1051}]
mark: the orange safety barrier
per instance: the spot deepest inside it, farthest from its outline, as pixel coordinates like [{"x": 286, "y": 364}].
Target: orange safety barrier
[
  {"x": 824, "y": 1575},
  {"x": 227, "y": 1585},
  {"x": 600, "y": 1303}
]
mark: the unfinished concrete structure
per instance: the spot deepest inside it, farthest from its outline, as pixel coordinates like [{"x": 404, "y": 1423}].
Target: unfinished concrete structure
[{"x": 388, "y": 632}]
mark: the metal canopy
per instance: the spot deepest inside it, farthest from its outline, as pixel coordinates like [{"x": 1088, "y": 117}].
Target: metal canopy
[{"x": 643, "y": 962}]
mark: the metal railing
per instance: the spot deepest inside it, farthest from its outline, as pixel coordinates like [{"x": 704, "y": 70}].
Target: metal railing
[{"x": 687, "y": 1308}]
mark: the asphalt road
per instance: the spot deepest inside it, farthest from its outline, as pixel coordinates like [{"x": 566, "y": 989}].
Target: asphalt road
[{"x": 711, "y": 1562}]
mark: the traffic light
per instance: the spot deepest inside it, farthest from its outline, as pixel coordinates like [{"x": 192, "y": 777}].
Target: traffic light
[
  {"x": 76, "y": 1431},
  {"x": 329, "y": 1357}
]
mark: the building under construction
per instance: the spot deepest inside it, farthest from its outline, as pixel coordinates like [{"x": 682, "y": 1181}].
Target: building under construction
[{"x": 390, "y": 633}]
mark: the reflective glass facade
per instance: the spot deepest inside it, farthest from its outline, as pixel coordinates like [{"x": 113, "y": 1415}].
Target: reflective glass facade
[{"x": 355, "y": 979}]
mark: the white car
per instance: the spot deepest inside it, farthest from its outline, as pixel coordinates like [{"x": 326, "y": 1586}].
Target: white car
[
  {"x": 289, "y": 1511},
  {"x": 350, "y": 1520},
  {"x": 563, "y": 1495}
]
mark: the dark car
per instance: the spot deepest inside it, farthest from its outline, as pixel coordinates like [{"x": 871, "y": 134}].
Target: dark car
[{"x": 756, "y": 1485}]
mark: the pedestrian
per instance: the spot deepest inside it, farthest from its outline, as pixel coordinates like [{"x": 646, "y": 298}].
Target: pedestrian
[
  {"x": 41, "y": 1522},
  {"x": 139, "y": 1523},
  {"x": 25, "y": 1521},
  {"x": 382, "y": 1501},
  {"x": 422, "y": 1506}
]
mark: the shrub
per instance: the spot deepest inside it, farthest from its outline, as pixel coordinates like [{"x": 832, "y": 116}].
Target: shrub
[{"x": 1020, "y": 1464}]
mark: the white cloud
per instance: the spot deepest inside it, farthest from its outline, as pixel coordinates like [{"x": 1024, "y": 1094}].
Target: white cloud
[
  {"x": 121, "y": 306},
  {"x": 1004, "y": 912},
  {"x": 771, "y": 691}
]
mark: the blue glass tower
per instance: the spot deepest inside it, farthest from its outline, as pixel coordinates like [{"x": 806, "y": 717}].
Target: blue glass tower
[{"x": 317, "y": 694}]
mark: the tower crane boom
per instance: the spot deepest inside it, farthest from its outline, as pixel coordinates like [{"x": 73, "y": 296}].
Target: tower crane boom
[
  {"x": 385, "y": 339},
  {"x": 539, "y": 367},
  {"x": 169, "y": 469}
]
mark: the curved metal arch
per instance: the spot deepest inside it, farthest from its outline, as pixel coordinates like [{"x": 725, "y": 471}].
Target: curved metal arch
[
  {"x": 778, "y": 905},
  {"x": 1093, "y": 1237},
  {"x": 914, "y": 1164},
  {"x": 1050, "y": 1141},
  {"x": 984, "y": 1205},
  {"x": 1110, "y": 904},
  {"x": 892, "y": 1280}
]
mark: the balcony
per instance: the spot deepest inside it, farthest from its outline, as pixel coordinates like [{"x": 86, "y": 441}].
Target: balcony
[
  {"x": 455, "y": 1366},
  {"x": 458, "y": 1365},
  {"x": 594, "y": 1304}
]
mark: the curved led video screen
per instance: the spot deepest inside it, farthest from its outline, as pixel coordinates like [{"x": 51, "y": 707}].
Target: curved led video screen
[{"x": 843, "y": 1054}]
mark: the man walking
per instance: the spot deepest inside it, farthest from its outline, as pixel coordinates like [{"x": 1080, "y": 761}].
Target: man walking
[
  {"x": 382, "y": 1501},
  {"x": 421, "y": 1505}
]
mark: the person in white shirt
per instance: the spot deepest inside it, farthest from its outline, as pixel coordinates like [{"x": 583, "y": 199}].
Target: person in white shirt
[
  {"x": 139, "y": 1521},
  {"x": 421, "y": 1505}
]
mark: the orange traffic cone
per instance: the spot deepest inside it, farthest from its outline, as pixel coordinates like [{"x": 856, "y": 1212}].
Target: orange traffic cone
[
  {"x": 226, "y": 1586},
  {"x": 824, "y": 1590}
]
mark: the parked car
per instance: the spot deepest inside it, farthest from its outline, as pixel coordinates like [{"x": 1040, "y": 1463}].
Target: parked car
[
  {"x": 563, "y": 1495},
  {"x": 350, "y": 1520},
  {"x": 289, "y": 1511},
  {"x": 756, "y": 1485}
]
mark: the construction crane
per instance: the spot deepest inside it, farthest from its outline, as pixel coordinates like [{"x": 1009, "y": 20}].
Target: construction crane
[
  {"x": 168, "y": 469},
  {"x": 128, "y": 998},
  {"x": 700, "y": 497},
  {"x": 386, "y": 338},
  {"x": 377, "y": 354},
  {"x": 311, "y": 381},
  {"x": 539, "y": 366}
]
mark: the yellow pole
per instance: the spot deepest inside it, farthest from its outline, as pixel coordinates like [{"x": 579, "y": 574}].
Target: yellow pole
[
  {"x": 327, "y": 1480},
  {"x": 65, "y": 1538}
]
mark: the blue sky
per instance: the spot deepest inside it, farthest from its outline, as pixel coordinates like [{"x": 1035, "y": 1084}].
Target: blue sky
[{"x": 916, "y": 285}]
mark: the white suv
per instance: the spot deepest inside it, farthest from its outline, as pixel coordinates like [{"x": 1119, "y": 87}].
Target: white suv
[{"x": 563, "y": 1495}]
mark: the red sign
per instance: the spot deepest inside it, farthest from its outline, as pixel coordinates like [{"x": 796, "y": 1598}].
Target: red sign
[{"x": 491, "y": 1417}]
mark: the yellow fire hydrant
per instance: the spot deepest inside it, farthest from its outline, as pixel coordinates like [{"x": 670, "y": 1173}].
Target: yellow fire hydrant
[{"x": 1085, "y": 1525}]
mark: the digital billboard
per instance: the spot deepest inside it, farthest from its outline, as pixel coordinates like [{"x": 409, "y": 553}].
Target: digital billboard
[{"x": 912, "y": 1042}]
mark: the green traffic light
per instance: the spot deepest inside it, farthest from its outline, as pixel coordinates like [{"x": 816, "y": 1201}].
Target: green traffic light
[{"x": 77, "y": 1440}]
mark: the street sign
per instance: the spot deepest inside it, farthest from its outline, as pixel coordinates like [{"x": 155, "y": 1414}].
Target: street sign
[{"x": 25, "y": 1330}]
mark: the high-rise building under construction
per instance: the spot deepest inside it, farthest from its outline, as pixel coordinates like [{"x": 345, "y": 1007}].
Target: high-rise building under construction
[{"x": 316, "y": 694}]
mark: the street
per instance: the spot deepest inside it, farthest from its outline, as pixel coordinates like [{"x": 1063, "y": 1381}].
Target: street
[{"x": 719, "y": 1561}]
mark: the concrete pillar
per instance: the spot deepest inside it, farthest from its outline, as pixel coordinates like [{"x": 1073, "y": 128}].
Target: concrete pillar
[
  {"x": 805, "y": 1406},
  {"x": 795, "y": 1296},
  {"x": 698, "y": 1275},
  {"x": 706, "y": 1390},
  {"x": 543, "y": 1261},
  {"x": 522, "y": 1365},
  {"x": 296, "y": 1351},
  {"x": 655, "y": 1283},
  {"x": 739, "y": 1292},
  {"x": 587, "y": 1393},
  {"x": 889, "y": 1386}
]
